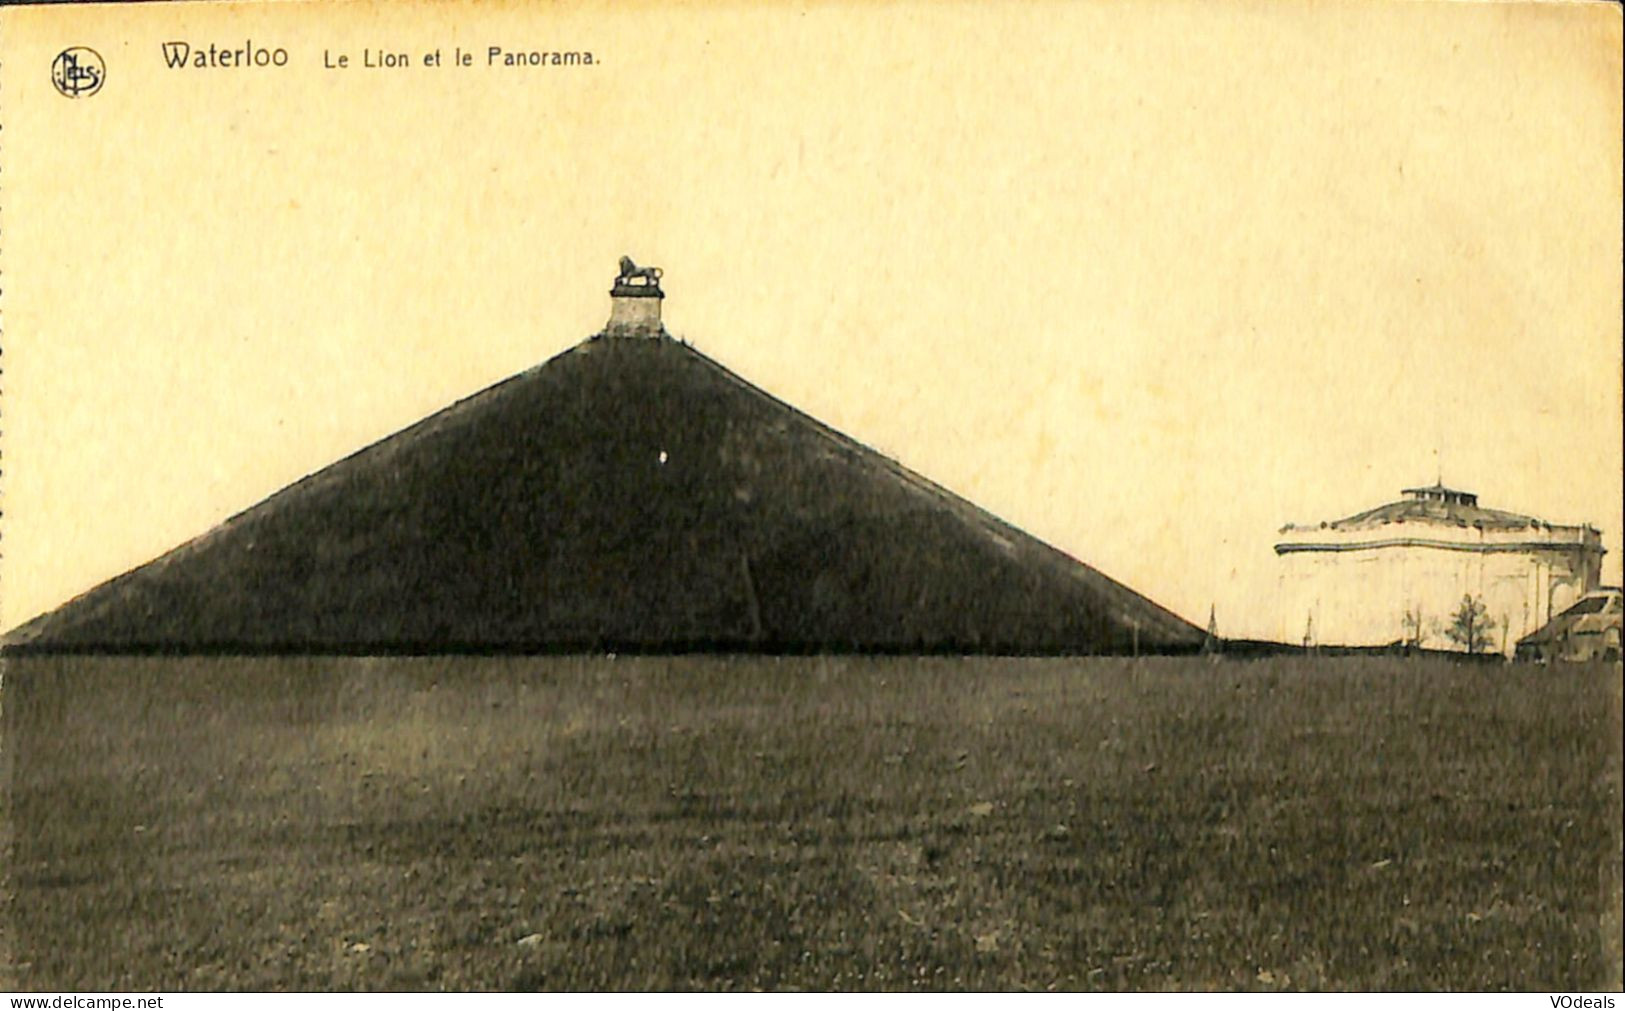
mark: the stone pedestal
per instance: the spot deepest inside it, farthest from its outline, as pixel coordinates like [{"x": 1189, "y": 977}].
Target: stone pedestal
[{"x": 634, "y": 311}]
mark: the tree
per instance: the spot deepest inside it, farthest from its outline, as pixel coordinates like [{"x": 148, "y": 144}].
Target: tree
[
  {"x": 1470, "y": 626},
  {"x": 1210, "y": 642},
  {"x": 1413, "y": 627}
]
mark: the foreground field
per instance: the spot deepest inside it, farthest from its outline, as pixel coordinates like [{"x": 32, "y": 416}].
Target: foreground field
[{"x": 815, "y": 823}]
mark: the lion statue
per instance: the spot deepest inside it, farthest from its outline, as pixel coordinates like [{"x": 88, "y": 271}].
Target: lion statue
[{"x": 632, "y": 273}]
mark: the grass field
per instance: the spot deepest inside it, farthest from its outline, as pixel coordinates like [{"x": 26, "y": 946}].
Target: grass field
[{"x": 561, "y": 823}]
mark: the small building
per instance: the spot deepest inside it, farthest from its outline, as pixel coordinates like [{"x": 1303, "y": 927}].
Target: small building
[
  {"x": 1588, "y": 630},
  {"x": 1396, "y": 574}
]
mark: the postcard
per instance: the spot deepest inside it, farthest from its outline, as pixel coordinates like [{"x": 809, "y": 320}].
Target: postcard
[{"x": 898, "y": 496}]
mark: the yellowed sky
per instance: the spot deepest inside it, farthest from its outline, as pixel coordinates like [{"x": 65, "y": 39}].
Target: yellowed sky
[{"x": 1147, "y": 279}]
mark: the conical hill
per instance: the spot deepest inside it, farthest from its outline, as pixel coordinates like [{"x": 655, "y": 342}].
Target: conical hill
[{"x": 632, "y": 495}]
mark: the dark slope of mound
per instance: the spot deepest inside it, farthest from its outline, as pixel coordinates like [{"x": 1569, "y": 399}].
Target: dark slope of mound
[{"x": 631, "y": 495}]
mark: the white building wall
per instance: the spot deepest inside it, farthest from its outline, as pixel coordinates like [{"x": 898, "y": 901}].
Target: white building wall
[{"x": 1361, "y": 597}]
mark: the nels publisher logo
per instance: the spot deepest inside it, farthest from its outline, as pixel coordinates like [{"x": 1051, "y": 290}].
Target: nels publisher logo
[{"x": 78, "y": 72}]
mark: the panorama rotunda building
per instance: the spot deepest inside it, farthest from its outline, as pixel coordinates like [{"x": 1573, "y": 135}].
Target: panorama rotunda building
[{"x": 1397, "y": 574}]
